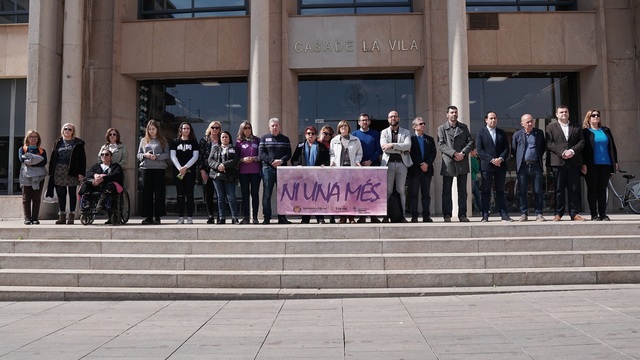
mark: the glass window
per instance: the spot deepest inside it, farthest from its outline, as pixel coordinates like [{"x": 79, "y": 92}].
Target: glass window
[
  {"x": 520, "y": 5},
  {"x": 319, "y": 7},
  {"x": 13, "y": 94},
  {"x": 14, "y": 11},
  {"x": 325, "y": 100},
  {"x": 158, "y": 9}
]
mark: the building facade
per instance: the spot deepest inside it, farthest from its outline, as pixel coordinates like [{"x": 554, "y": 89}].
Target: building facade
[{"x": 101, "y": 64}]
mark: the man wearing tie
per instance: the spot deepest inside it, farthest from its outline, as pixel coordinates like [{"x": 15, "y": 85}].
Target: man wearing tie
[
  {"x": 493, "y": 150},
  {"x": 565, "y": 143},
  {"x": 423, "y": 152},
  {"x": 528, "y": 147}
]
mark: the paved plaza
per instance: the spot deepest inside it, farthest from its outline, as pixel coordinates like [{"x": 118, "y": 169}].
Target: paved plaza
[{"x": 590, "y": 324}]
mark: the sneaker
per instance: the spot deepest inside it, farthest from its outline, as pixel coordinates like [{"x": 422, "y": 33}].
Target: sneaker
[
  {"x": 506, "y": 218},
  {"x": 180, "y": 220},
  {"x": 523, "y": 218},
  {"x": 540, "y": 218},
  {"x": 189, "y": 220},
  {"x": 35, "y": 222}
]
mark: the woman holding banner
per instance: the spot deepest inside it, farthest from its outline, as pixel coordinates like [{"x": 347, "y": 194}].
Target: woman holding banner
[
  {"x": 345, "y": 150},
  {"x": 310, "y": 153}
]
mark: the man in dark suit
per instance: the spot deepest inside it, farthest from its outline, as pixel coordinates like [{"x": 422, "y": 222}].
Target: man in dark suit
[
  {"x": 493, "y": 150},
  {"x": 528, "y": 147},
  {"x": 565, "y": 143},
  {"x": 423, "y": 152}
]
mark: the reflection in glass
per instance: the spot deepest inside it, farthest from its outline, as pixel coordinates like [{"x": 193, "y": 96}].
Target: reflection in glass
[
  {"x": 308, "y": 7},
  {"x": 334, "y": 98},
  {"x": 11, "y": 90}
]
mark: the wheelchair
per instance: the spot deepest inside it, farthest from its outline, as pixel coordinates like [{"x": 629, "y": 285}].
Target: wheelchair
[{"x": 116, "y": 208}]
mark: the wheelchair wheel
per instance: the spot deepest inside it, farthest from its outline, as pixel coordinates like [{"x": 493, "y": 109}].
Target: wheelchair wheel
[
  {"x": 125, "y": 207},
  {"x": 86, "y": 219},
  {"x": 116, "y": 219}
]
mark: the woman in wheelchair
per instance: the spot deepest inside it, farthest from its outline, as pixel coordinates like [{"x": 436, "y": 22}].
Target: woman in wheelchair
[{"x": 104, "y": 177}]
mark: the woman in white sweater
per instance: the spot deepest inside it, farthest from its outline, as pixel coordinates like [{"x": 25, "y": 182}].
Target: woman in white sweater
[{"x": 345, "y": 150}]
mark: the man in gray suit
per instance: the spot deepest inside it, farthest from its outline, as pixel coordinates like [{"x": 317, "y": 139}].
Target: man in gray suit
[
  {"x": 396, "y": 144},
  {"x": 455, "y": 143}
]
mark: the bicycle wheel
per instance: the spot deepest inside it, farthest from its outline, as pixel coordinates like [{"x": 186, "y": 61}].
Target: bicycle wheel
[{"x": 633, "y": 191}]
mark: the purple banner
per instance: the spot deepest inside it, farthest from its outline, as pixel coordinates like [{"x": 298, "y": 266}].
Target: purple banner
[{"x": 316, "y": 190}]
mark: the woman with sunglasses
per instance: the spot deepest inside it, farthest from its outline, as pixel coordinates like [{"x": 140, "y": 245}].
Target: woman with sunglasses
[
  {"x": 249, "y": 170},
  {"x": 32, "y": 174},
  {"x": 184, "y": 156},
  {"x": 210, "y": 139},
  {"x": 324, "y": 138},
  {"x": 66, "y": 171},
  {"x": 115, "y": 146},
  {"x": 152, "y": 154},
  {"x": 600, "y": 159},
  {"x": 310, "y": 153}
]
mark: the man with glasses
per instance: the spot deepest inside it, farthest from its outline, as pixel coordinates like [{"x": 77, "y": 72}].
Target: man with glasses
[
  {"x": 423, "y": 153},
  {"x": 274, "y": 151},
  {"x": 371, "y": 151},
  {"x": 396, "y": 144},
  {"x": 565, "y": 143},
  {"x": 102, "y": 177}
]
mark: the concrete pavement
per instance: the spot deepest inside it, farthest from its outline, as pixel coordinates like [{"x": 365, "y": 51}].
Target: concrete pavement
[{"x": 602, "y": 323}]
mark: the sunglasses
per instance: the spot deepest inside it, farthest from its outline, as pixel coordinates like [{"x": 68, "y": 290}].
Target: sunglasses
[
  {"x": 215, "y": 127},
  {"x": 420, "y": 124},
  {"x": 113, "y": 134},
  {"x": 105, "y": 154},
  {"x": 326, "y": 133},
  {"x": 595, "y": 115},
  {"x": 67, "y": 129},
  {"x": 310, "y": 133}
]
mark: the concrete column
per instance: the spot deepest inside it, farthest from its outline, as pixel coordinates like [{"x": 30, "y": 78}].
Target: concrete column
[
  {"x": 259, "y": 66},
  {"x": 458, "y": 73},
  {"x": 72, "y": 64}
]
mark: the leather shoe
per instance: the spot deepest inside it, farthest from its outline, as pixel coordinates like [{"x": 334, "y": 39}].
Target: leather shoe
[
  {"x": 266, "y": 221},
  {"x": 447, "y": 218},
  {"x": 427, "y": 219},
  {"x": 484, "y": 219},
  {"x": 362, "y": 219},
  {"x": 602, "y": 218},
  {"x": 403, "y": 220},
  {"x": 375, "y": 220},
  {"x": 506, "y": 218},
  {"x": 414, "y": 219},
  {"x": 385, "y": 219},
  {"x": 577, "y": 217},
  {"x": 284, "y": 221},
  {"x": 557, "y": 217},
  {"x": 595, "y": 218},
  {"x": 463, "y": 218}
]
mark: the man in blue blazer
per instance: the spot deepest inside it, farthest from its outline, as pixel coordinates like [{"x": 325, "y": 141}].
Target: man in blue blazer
[
  {"x": 528, "y": 147},
  {"x": 493, "y": 149},
  {"x": 423, "y": 152}
]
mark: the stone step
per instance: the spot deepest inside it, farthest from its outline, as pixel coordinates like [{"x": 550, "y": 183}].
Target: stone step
[
  {"x": 324, "y": 246},
  {"x": 277, "y": 262},
  {"x": 320, "y": 279},
  {"x": 60, "y": 293}
]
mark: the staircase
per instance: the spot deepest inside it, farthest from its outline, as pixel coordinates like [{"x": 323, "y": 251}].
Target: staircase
[{"x": 49, "y": 262}]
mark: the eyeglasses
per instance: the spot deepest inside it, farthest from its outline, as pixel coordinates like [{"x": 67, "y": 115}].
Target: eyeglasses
[
  {"x": 310, "y": 133},
  {"x": 67, "y": 129},
  {"x": 105, "y": 154},
  {"x": 215, "y": 127},
  {"x": 420, "y": 124},
  {"x": 327, "y": 133},
  {"x": 113, "y": 134},
  {"x": 595, "y": 115}
]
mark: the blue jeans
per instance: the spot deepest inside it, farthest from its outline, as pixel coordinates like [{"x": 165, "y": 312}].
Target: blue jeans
[
  {"x": 526, "y": 173},
  {"x": 269, "y": 177},
  {"x": 226, "y": 189}
]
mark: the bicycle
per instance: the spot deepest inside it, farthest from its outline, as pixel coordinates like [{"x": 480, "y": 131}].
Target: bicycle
[{"x": 631, "y": 195}]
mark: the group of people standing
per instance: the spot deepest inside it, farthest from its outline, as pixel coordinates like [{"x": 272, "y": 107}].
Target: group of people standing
[
  {"x": 572, "y": 151},
  {"x": 220, "y": 162}
]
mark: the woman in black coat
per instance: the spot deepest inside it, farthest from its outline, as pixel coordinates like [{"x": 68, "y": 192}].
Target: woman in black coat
[{"x": 600, "y": 160}]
